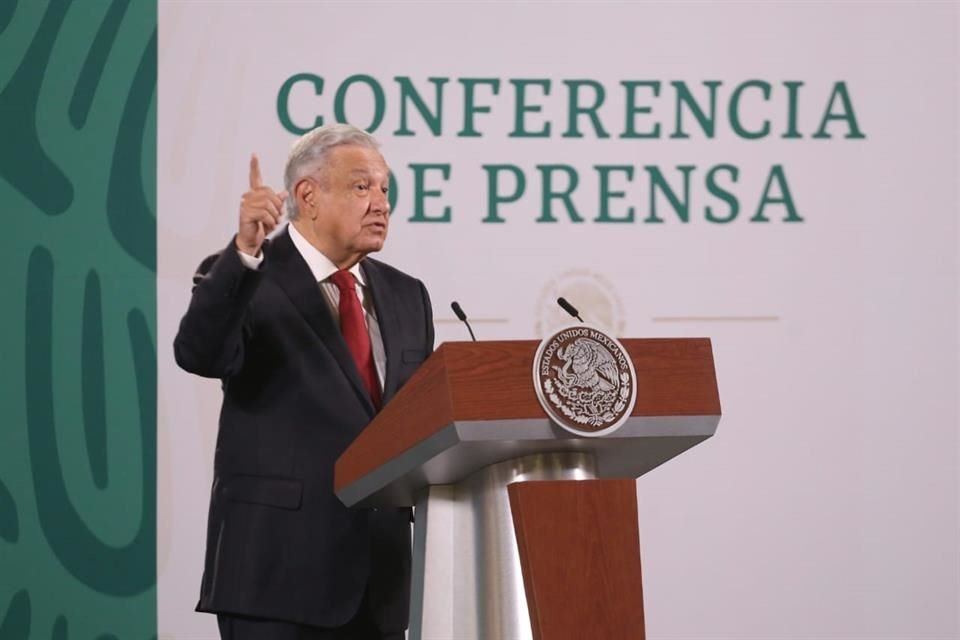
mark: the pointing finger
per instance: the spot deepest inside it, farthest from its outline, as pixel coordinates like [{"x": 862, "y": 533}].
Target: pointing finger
[{"x": 255, "y": 180}]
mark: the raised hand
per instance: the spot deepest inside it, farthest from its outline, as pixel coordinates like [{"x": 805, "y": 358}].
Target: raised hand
[{"x": 261, "y": 209}]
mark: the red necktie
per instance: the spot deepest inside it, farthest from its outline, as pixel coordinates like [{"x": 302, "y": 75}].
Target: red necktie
[{"x": 354, "y": 331}]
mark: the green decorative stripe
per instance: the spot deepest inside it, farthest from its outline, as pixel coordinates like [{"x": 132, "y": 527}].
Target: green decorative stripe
[
  {"x": 118, "y": 571},
  {"x": 16, "y": 622},
  {"x": 93, "y": 66},
  {"x": 9, "y": 520},
  {"x": 129, "y": 212},
  {"x": 6, "y": 13},
  {"x": 94, "y": 389},
  {"x": 59, "y": 629},
  {"x": 78, "y": 445},
  {"x": 24, "y": 163}
]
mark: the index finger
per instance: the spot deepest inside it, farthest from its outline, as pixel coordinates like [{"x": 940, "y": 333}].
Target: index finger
[{"x": 255, "y": 180}]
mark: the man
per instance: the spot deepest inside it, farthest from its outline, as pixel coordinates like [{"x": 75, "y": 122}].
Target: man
[{"x": 310, "y": 338}]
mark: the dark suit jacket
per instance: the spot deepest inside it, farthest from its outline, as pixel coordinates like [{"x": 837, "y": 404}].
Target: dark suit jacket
[{"x": 280, "y": 545}]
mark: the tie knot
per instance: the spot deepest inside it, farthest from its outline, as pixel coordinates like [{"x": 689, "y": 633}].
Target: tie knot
[{"x": 344, "y": 281}]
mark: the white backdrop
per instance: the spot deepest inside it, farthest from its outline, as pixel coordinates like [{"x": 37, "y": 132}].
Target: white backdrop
[{"x": 826, "y": 507}]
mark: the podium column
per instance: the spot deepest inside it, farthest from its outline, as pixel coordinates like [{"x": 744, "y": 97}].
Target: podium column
[{"x": 468, "y": 582}]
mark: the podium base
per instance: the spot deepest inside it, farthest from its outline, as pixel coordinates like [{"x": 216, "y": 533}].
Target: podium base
[{"x": 467, "y": 576}]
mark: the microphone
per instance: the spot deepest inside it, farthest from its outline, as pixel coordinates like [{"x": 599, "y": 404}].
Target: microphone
[
  {"x": 569, "y": 308},
  {"x": 463, "y": 317}
]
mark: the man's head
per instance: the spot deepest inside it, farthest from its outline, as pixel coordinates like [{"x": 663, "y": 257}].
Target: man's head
[{"x": 337, "y": 181}]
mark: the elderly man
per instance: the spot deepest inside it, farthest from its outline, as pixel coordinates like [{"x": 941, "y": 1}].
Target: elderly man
[{"x": 310, "y": 337}]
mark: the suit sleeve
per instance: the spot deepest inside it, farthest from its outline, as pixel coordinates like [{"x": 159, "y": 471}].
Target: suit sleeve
[{"x": 210, "y": 341}]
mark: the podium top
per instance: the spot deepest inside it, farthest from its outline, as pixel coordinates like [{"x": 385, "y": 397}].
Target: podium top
[{"x": 473, "y": 404}]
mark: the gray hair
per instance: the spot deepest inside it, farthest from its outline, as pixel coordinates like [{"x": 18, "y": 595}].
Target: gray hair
[{"x": 309, "y": 154}]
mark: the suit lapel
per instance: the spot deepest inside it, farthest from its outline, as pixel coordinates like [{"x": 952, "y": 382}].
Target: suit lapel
[
  {"x": 290, "y": 272},
  {"x": 384, "y": 304}
]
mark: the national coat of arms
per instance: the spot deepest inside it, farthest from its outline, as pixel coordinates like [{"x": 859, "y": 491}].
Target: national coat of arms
[{"x": 585, "y": 380}]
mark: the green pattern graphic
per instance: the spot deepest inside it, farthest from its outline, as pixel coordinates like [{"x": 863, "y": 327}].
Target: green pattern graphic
[{"x": 78, "y": 443}]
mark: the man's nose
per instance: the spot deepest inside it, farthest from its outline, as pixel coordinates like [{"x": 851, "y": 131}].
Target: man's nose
[{"x": 380, "y": 202}]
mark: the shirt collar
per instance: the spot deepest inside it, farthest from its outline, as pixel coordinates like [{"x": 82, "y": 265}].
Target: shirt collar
[{"x": 320, "y": 265}]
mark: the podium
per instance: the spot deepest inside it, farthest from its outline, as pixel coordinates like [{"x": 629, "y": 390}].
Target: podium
[{"x": 523, "y": 529}]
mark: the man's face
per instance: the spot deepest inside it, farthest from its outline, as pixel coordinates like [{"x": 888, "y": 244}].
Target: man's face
[{"x": 351, "y": 204}]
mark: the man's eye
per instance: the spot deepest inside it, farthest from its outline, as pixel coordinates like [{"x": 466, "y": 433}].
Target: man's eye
[
  {"x": 362, "y": 187},
  {"x": 385, "y": 189}
]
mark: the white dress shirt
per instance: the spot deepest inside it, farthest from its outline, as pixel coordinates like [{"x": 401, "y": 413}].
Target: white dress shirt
[{"x": 322, "y": 268}]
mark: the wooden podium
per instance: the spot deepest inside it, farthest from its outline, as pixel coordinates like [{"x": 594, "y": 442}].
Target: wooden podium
[{"x": 523, "y": 529}]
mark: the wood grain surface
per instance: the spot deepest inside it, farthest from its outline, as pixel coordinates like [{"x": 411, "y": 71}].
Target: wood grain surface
[
  {"x": 580, "y": 554},
  {"x": 493, "y": 380}
]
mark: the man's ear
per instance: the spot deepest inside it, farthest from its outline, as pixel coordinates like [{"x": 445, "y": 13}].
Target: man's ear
[{"x": 304, "y": 191}]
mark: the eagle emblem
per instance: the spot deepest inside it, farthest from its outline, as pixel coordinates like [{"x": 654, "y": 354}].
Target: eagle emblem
[{"x": 585, "y": 380}]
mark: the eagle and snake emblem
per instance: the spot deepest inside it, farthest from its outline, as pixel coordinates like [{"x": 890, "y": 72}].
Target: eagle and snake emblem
[{"x": 588, "y": 387}]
